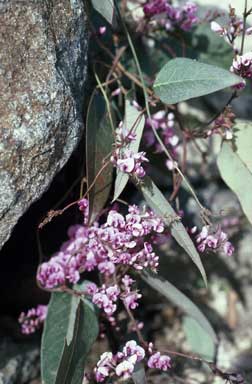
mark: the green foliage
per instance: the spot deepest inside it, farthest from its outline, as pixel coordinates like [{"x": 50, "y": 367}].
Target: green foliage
[
  {"x": 156, "y": 200},
  {"x": 133, "y": 122},
  {"x": 199, "y": 340},
  {"x": 235, "y": 165},
  {"x": 168, "y": 290},
  {"x": 182, "y": 79},
  {"x": 99, "y": 140},
  {"x": 211, "y": 48},
  {"x": 70, "y": 330},
  {"x": 105, "y": 8}
]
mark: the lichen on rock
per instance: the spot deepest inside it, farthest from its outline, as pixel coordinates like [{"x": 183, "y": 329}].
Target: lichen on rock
[{"x": 43, "y": 67}]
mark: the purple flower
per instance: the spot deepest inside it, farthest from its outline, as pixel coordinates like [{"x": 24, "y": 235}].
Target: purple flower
[
  {"x": 162, "y": 14},
  {"x": 120, "y": 240},
  {"x": 51, "y": 274},
  {"x": 159, "y": 361},
  {"x": 84, "y": 207},
  {"x": 242, "y": 65},
  {"x": 33, "y": 319},
  {"x": 217, "y": 28},
  {"x": 129, "y": 162},
  {"x": 131, "y": 348},
  {"x": 155, "y": 7},
  {"x": 125, "y": 369},
  {"x": 121, "y": 364},
  {"x": 215, "y": 240}
]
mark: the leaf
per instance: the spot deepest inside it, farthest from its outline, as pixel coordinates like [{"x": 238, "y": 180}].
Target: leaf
[
  {"x": 134, "y": 122},
  {"x": 99, "y": 140},
  {"x": 182, "y": 79},
  {"x": 199, "y": 341},
  {"x": 156, "y": 200},
  {"x": 235, "y": 165},
  {"x": 70, "y": 329},
  {"x": 105, "y": 8},
  {"x": 182, "y": 301}
]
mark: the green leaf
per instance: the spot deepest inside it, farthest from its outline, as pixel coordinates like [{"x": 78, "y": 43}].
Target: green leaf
[
  {"x": 70, "y": 330},
  {"x": 178, "y": 298},
  {"x": 134, "y": 122},
  {"x": 199, "y": 341},
  {"x": 99, "y": 140},
  {"x": 156, "y": 200},
  {"x": 182, "y": 79},
  {"x": 105, "y": 8},
  {"x": 235, "y": 165}
]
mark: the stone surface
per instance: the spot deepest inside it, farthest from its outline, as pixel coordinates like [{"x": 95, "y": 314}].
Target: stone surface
[
  {"x": 19, "y": 363},
  {"x": 43, "y": 66}
]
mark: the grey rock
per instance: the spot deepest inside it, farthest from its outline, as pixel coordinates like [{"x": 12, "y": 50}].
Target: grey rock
[
  {"x": 43, "y": 68},
  {"x": 19, "y": 363}
]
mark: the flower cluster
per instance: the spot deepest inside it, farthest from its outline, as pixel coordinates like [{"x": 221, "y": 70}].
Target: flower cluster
[
  {"x": 159, "y": 361},
  {"x": 223, "y": 124},
  {"x": 160, "y": 13},
  {"x": 123, "y": 158},
  {"x": 106, "y": 297},
  {"x": 120, "y": 240},
  {"x": 122, "y": 363},
  {"x": 242, "y": 65},
  {"x": 33, "y": 319},
  {"x": 229, "y": 32},
  {"x": 210, "y": 239},
  {"x": 164, "y": 123},
  {"x": 129, "y": 162}
]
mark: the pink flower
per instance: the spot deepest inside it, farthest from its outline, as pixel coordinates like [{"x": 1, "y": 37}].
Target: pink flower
[
  {"x": 130, "y": 299},
  {"x": 101, "y": 373},
  {"x": 115, "y": 219},
  {"x": 51, "y": 274},
  {"x": 125, "y": 369},
  {"x": 122, "y": 363},
  {"x": 215, "y": 27},
  {"x": 104, "y": 366},
  {"x": 116, "y": 92},
  {"x": 228, "y": 248},
  {"x": 129, "y": 162},
  {"x": 159, "y": 361},
  {"x": 215, "y": 240},
  {"x": 126, "y": 165},
  {"x": 113, "y": 292},
  {"x": 84, "y": 207},
  {"x": 120, "y": 240},
  {"x": 131, "y": 348},
  {"x": 102, "y": 30},
  {"x": 33, "y": 319},
  {"x": 242, "y": 65}
]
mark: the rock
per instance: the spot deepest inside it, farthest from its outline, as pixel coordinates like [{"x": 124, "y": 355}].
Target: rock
[
  {"x": 19, "y": 363},
  {"x": 43, "y": 67}
]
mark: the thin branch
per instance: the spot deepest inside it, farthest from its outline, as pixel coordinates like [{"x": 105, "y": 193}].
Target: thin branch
[{"x": 245, "y": 15}]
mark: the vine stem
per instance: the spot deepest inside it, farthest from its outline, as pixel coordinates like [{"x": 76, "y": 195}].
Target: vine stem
[
  {"x": 245, "y": 15},
  {"x": 133, "y": 320},
  {"x": 148, "y": 110}
]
